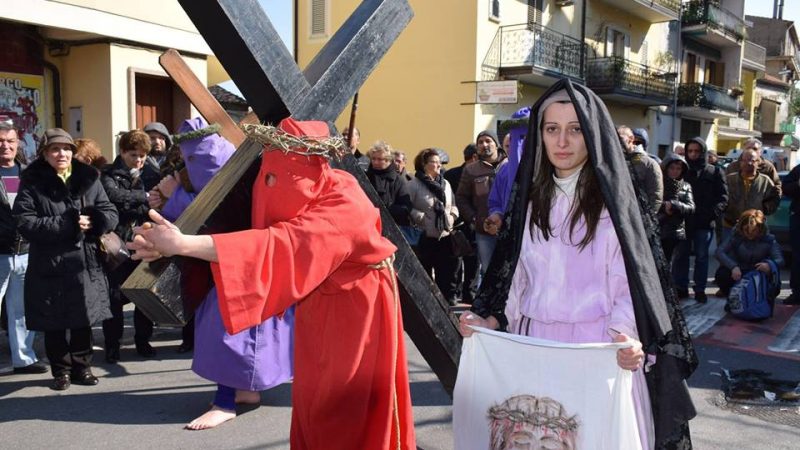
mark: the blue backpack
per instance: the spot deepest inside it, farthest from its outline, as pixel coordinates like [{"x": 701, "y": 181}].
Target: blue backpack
[{"x": 749, "y": 298}]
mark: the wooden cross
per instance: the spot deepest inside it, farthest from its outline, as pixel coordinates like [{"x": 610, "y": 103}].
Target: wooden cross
[{"x": 251, "y": 51}]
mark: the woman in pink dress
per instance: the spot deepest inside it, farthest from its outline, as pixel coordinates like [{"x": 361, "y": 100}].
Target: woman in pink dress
[{"x": 578, "y": 261}]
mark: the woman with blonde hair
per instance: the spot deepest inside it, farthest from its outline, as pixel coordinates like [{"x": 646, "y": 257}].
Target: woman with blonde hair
[
  {"x": 750, "y": 247},
  {"x": 391, "y": 188}
]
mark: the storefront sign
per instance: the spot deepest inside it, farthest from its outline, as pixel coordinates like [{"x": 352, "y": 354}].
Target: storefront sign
[{"x": 496, "y": 92}]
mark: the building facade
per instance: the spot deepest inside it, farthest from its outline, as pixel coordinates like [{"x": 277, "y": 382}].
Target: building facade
[
  {"x": 91, "y": 67},
  {"x": 679, "y": 69}
]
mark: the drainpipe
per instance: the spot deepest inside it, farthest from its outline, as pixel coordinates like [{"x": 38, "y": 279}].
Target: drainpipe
[
  {"x": 56, "y": 92},
  {"x": 583, "y": 37},
  {"x": 295, "y": 30},
  {"x": 679, "y": 65}
]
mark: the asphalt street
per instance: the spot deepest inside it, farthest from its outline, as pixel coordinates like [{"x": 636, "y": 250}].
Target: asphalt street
[{"x": 145, "y": 403}]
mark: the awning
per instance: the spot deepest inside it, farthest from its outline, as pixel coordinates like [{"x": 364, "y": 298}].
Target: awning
[
  {"x": 791, "y": 141},
  {"x": 736, "y": 133}
]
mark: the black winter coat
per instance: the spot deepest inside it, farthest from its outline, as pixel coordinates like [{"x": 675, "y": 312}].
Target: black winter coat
[
  {"x": 11, "y": 243},
  {"x": 65, "y": 285},
  {"x": 791, "y": 188},
  {"x": 677, "y": 193},
  {"x": 391, "y": 188},
  {"x": 710, "y": 192},
  {"x": 128, "y": 196}
]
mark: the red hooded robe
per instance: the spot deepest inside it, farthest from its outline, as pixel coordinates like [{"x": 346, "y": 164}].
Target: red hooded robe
[{"x": 315, "y": 237}]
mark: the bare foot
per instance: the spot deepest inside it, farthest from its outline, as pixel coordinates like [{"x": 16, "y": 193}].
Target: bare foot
[
  {"x": 215, "y": 416},
  {"x": 248, "y": 397}
]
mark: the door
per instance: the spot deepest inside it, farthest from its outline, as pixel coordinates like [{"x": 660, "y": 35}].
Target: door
[{"x": 153, "y": 100}]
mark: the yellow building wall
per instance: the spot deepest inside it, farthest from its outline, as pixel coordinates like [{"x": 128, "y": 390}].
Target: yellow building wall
[
  {"x": 600, "y": 16},
  {"x": 85, "y": 77},
  {"x": 413, "y": 98}
]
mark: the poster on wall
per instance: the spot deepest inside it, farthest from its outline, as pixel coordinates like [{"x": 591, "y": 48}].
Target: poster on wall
[
  {"x": 22, "y": 101},
  {"x": 515, "y": 392}
]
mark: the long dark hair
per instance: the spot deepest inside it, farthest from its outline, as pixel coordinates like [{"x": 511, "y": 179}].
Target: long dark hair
[{"x": 588, "y": 202}]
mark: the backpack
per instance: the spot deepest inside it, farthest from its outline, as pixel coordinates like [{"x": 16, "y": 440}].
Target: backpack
[{"x": 749, "y": 298}]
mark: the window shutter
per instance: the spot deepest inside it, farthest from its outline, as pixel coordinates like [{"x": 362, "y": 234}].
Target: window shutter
[{"x": 318, "y": 17}]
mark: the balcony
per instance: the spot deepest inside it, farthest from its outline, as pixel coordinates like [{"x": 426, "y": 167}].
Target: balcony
[
  {"x": 706, "y": 101},
  {"x": 755, "y": 57},
  {"x": 653, "y": 11},
  {"x": 736, "y": 128},
  {"x": 712, "y": 24},
  {"x": 534, "y": 55},
  {"x": 619, "y": 79}
]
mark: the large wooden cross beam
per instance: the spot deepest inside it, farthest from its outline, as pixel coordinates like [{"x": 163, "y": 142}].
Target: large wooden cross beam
[{"x": 247, "y": 45}]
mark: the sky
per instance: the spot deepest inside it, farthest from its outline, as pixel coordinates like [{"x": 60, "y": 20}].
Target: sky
[
  {"x": 280, "y": 14},
  {"x": 763, "y": 8}
]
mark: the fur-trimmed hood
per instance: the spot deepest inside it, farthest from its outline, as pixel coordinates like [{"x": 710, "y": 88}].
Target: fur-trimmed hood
[{"x": 40, "y": 173}]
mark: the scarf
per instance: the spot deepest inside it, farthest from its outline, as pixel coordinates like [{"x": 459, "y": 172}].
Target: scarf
[{"x": 436, "y": 187}]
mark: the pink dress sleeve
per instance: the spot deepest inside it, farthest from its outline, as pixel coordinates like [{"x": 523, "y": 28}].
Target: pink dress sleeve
[{"x": 622, "y": 317}]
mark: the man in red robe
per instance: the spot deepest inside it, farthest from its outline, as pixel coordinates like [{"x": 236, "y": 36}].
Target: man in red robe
[{"x": 316, "y": 242}]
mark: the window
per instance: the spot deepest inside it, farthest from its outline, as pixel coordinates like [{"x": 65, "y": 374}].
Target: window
[
  {"x": 319, "y": 18},
  {"x": 535, "y": 10},
  {"x": 618, "y": 43},
  {"x": 494, "y": 9},
  {"x": 690, "y": 68}
]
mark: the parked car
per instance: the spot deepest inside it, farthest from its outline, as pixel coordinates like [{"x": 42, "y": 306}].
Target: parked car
[{"x": 779, "y": 222}]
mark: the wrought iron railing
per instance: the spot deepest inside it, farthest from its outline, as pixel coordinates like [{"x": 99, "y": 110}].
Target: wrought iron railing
[
  {"x": 707, "y": 96},
  {"x": 706, "y": 12},
  {"x": 533, "y": 45},
  {"x": 755, "y": 53},
  {"x": 615, "y": 73}
]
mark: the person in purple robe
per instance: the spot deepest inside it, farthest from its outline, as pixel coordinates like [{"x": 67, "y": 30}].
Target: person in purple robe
[
  {"x": 501, "y": 189},
  {"x": 580, "y": 261},
  {"x": 245, "y": 363}
]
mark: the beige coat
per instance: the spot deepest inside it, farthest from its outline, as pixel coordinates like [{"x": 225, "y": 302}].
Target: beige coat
[{"x": 422, "y": 214}]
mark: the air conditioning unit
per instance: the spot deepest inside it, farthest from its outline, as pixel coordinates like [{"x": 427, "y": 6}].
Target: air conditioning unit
[{"x": 563, "y": 3}]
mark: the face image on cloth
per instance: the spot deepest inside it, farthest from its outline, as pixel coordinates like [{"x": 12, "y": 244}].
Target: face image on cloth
[{"x": 527, "y": 422}]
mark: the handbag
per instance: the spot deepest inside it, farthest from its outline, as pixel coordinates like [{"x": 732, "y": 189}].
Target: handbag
[
  {"x": 112, "y": 248},
  {"x": 460, "y": 245}
]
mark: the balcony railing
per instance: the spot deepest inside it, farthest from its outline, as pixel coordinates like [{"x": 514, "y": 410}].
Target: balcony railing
[
  {"x": 533, "y": 45},
  {"x": 707, "y": 96},
  {"x": 705, "y": 12},
  {"x": 605, "y": 75},
  {"x": 755, "y": 54}
]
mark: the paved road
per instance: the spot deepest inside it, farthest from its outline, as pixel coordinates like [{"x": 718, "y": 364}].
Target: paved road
[{"x": 144, "y": 404}]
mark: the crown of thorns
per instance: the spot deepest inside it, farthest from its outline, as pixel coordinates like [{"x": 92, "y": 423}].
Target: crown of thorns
[
  {"x": 536, "y": 418},
  {"x": 276, "y": 139}
]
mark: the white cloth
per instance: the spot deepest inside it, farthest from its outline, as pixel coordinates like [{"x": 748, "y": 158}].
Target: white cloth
[{"x": 540, "y": 392}]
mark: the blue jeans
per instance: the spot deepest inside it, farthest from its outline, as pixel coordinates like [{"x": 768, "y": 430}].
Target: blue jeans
[
  {"x": 485, "y": 244},
  {"x": 12, "y": 283},
  {"x": 701, "y": 240}
]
